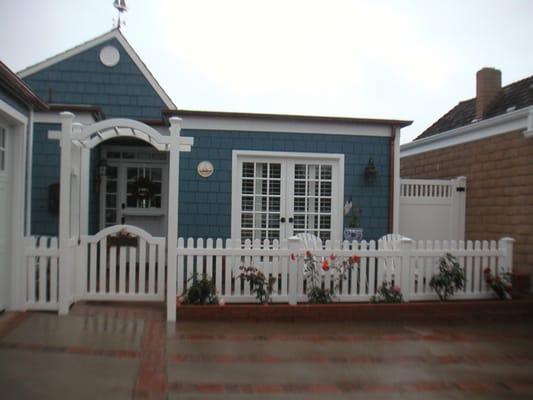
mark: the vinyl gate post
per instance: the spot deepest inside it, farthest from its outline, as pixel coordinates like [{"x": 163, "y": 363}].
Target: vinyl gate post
[
  {"x": 295, "y": 246},
  {"x": 506, "y": 244},
  {"x": 64, "y": 212},
  {"x": 172, "y": 233},
  {"x": 406, "y": 245}
]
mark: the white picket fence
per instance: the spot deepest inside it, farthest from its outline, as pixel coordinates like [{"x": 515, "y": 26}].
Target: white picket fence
[
  {"x": 102, "y": 272},
  {"x": 406, "y": 263},
  {"x": 41, "y": 258}
]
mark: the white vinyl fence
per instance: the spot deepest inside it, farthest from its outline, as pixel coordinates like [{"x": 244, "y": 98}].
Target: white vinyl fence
[
  {"x": 432, "y": 208},
  {"x": 406, "y": 263}
]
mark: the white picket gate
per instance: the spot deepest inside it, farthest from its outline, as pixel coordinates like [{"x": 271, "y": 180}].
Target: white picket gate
[
  {"x": 41, "y": 258},
  {"x": 121, "y": 262}
]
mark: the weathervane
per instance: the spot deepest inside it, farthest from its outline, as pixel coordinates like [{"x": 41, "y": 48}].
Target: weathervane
[{"x": 120, "y": 5}]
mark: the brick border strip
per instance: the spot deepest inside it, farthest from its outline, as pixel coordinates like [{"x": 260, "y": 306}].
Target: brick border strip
[{"x": 449, "y": 312}]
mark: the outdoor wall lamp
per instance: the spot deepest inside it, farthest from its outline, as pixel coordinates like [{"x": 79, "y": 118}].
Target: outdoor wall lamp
[{"x": 371, "y": 172}]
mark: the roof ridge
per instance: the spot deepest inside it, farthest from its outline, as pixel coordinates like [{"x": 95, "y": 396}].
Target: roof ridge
[{"x": 23, "y": 72}]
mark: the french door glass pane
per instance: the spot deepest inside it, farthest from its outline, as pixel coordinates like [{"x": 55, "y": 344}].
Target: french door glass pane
[
  {"x": 260, "y": 200},
  {"x": 312, "y": 199}
]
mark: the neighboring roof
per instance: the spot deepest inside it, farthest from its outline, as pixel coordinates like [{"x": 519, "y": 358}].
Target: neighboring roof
[
  {"x": 287, "y": 117},
  {"x": 14, "y": 85},
  {"x": 512, "y": 97},
  {"x": 116, "y": 34}
]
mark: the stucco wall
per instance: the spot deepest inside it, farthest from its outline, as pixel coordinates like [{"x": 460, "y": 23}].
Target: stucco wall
[{"x": 499, "y": 195}]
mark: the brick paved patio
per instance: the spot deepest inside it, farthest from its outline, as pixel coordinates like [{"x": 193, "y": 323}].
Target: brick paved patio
[{"x": 124, "y": 352}]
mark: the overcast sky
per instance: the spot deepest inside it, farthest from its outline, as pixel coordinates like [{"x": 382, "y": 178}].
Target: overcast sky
[{"x": 381, "y": 59}]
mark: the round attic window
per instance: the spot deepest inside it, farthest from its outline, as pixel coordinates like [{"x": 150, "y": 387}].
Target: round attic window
[{"x": 109, "y": 56}]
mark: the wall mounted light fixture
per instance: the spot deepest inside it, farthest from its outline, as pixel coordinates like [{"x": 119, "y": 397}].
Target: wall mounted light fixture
[{"x": 371, "y": 173}]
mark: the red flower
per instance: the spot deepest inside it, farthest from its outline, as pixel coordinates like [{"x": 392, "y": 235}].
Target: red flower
[
  {"x": 396, "y": 289},
  {"x": 293, "y": 257},
  {"x": 486, "y": 270},
  {"x": 308, "y": 254},
  {"x": 355, "y": 259},
  {"x": 325, "y": 265},
  {"x": 333, "y": 256}
]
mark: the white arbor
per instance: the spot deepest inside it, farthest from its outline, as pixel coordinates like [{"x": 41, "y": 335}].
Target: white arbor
[{"x": 76, "y": 140}]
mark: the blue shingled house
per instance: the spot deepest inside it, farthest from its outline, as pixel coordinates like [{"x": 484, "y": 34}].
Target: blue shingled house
[{"x": 251, "y": 176}]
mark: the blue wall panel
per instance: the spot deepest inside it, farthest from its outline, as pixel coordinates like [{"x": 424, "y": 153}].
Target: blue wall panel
[
  {"x": 205, "y": 204},
  {"x": 13, "y": 102},
  {"x": 45, "y": 171}
]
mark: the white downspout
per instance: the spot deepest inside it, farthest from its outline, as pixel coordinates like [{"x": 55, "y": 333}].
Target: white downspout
[
  {"x": 396, "y": 182},
  {"x": 29, "y": 169}
]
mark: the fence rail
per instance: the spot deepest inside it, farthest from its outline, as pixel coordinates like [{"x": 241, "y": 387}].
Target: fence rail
[{"x": 405, "y": 263}]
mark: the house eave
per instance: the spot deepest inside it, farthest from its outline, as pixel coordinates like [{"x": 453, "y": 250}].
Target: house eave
[{"x": 512, "y": 121}]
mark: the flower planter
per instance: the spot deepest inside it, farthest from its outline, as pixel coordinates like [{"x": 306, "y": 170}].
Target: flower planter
[
  {"x": 428, "y": 311},
  {"x": 352, "y": 234},
  {"x": 120, "y": 241}
]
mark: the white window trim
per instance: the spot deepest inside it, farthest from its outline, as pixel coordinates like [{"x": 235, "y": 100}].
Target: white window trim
[{"x": 336, "y": 220}]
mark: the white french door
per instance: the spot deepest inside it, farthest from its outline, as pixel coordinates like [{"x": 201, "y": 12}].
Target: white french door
[{"x": 278, "y": 195}]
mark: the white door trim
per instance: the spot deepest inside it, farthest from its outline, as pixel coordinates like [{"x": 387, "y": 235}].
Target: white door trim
[{"x": 338, "y": 184}]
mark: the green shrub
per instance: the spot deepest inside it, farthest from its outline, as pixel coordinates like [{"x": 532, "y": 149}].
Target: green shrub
[
  {"x": 387, "y": 293},
  {"x": 449, "y": 279},
  {"x": 259, "y": 284},
  {"x": 200, "y": 291}
]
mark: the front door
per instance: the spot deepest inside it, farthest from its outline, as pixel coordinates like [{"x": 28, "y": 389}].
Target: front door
[
  {"x": 5, "y": 205},
  {"x": 134, "y": 192},
  {"x": 280, "y": 196}
]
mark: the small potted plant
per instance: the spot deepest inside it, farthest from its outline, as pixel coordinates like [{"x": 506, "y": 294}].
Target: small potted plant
[{"x": 352, "y": 213}]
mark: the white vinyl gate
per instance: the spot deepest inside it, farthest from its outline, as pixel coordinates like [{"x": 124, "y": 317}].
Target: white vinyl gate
[
  {"x": 119, "y": 263},
  {"x": 432, "y": 209}
]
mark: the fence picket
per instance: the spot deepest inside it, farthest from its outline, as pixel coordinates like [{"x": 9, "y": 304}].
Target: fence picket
[
  {"x": 122, "y": 270},
  {"x": 477, "y": 266},
  {"x": 132, "y": 266},
  {"x": 181, "y": 276},
  {"x": 210, "y": 273},
  {"x": 113, "y": 270},
  {"x": 371, "y": 270},
  {"x": 92, "y": 268},
  {"x": 41, "y": 271},
  {"x": 54, "y": 276},
  {"x": 227, "y": 264},
  {"x": 142, "y": 266},
  {"x": 217, "y": 267},
  {"x": 102, "y": 267},
  {"x": 161, "y": 269}
]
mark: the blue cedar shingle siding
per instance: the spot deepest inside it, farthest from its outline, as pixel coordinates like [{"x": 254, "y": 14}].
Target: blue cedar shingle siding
[
  {"x": 15, "y": 103},
  {"x": 45, "y": 171},
  {"x": 121, "y": 91},
  {"x": 205, "y": 204}
]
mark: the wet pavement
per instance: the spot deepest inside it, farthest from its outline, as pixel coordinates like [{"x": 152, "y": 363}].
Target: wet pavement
[{"x": 130, "y": 352}]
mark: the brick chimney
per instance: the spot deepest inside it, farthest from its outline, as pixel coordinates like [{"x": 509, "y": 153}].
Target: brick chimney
[{"x": 488, "y": 85}]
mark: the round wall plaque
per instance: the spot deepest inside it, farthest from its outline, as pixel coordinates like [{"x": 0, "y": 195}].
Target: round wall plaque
[
  {"x": 205, "y": 169},
  {"x": 109, "y": 56}
]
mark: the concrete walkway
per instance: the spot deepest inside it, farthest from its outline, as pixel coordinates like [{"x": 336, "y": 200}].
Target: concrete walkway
[{"x": 129, "y": 352}]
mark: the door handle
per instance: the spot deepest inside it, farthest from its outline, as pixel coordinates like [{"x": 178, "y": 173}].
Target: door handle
[
  {"x": 282, "y": 219},
  {"x": 291, "y": 220},
  {"x": 123, "y": 206},
  {"x": 123, "y": 220}
]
